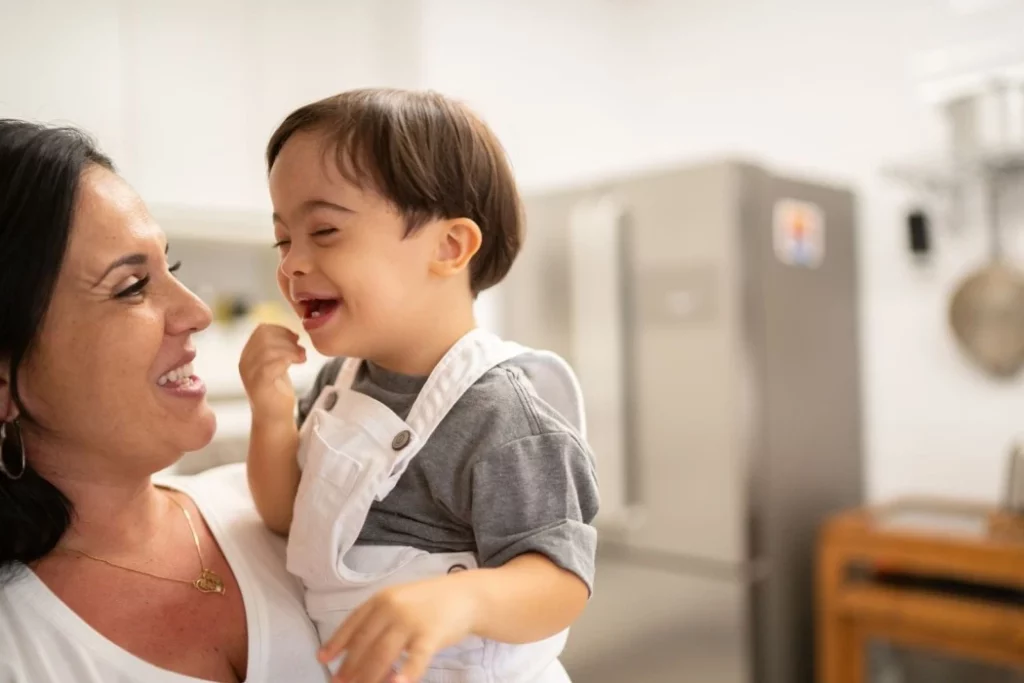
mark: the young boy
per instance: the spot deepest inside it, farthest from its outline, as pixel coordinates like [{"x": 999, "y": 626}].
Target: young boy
[{"x": 424, "y": 448}]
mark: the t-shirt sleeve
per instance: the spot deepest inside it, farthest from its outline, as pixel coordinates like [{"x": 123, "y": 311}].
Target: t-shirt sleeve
[
  {"x": 326, "y": 376},
  {"x": 537, "y": 494}
]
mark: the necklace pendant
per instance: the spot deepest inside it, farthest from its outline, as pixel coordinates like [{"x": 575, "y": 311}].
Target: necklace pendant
[{"x": 209, "y": 582}]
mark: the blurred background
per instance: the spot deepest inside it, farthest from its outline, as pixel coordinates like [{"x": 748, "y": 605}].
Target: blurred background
[{"x": 752, "y": 227}]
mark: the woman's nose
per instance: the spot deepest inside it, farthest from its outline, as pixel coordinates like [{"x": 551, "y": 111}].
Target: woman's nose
[{"x": 189, "y": 313}]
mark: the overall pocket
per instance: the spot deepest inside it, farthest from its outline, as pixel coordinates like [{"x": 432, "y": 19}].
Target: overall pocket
[{"x": 324, "y": 504}]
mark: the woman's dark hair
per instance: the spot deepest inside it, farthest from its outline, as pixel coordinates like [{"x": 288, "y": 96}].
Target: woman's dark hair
[{"x": 40, "y": 170}]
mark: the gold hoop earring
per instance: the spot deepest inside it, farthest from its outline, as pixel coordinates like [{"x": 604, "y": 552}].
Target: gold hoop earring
[{"x": 5, "y": 446}]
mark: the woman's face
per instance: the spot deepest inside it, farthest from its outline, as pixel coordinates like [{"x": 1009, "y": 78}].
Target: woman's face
[{"x": 109, "y": 378}]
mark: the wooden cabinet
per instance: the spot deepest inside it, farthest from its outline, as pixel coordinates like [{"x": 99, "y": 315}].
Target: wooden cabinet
[{"x": 929, "y": 575}]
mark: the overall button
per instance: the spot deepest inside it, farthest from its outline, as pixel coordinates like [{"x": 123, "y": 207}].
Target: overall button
[
  {"x": 401, "y": 440},
  {"x": 330, "y": 400},
  {"x": 456, "y": 568}
]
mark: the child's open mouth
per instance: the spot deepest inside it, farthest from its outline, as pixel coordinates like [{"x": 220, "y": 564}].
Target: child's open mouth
[{"x": 316, "y": 312}]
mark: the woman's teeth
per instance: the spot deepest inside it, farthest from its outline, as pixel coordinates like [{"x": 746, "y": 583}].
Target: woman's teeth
[{"x": 177, "y": 376}]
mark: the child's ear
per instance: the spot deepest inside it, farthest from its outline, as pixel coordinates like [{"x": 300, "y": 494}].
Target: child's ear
[{"x": 458, "y": 241}]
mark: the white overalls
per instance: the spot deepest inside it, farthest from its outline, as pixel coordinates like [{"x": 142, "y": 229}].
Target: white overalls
[{"x": 352, "y": 451}]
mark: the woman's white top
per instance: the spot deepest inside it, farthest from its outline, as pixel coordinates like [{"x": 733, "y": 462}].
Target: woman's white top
[{"x": 43, "y": 641}]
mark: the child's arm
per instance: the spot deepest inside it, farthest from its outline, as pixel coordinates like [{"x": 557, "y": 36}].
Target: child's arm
[
  {"x": 524, "y": 601},
  {"x": 532, "y": 504},
  {"x": 273, "y": 441},
  {"x": 273, "y": 470}
]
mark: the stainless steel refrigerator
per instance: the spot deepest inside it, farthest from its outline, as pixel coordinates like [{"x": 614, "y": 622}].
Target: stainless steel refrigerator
[{"x": 711, "y": 314}]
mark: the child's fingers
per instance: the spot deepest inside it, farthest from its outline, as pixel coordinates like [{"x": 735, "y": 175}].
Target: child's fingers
[
  {"x": 288, "y": 354},
  {"x": 417, "y": 659},
  {"x": 272, "y": 330},
  {"x": 265, "y": 335},
  {"x": 374, "y": 663},
  {"x": 293, "y": 353},
  {"x": 361, "y": 643},
  {"x": 272, "y": 370},
  {"x": 255, "y": 363},
  {"x": 278, "y": 346},
  {"x": 336, "y": 644}
]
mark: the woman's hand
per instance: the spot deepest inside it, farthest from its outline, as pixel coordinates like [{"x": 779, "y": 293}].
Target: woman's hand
[
  {"x": 268, "y": 354},
  {"x": 417, "y": 620}
]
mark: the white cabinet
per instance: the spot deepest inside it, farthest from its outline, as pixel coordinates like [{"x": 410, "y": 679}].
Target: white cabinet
[
  {"x": 185, "y": 95},
  {"x": 60, "y": 61},
  {"x": 213, "y": 224},
  {"x": 205, "y": 84}
]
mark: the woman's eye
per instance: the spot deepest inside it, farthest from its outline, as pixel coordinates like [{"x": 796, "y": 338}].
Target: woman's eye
[
  {"x": 174, "y": 268},
  {"x": 324, "y": 231},
  {"x": 281, "y": 243},
  {"x": 133, "y": 289}
]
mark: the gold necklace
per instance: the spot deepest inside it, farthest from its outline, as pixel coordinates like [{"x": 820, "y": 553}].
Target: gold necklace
[{"x": 208, "y": 582}]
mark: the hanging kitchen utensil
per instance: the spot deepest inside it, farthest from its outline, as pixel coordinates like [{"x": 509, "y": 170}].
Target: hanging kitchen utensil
[{"x": 987, "y": 309}]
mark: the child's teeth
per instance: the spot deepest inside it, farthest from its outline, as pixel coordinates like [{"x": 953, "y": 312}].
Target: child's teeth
[{"x": 314, "y": 314}]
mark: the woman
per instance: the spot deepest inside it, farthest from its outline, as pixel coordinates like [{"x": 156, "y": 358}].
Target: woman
[{"x": 105, "y": 576}]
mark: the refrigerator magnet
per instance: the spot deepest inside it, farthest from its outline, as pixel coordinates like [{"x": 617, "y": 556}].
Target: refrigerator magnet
[{"x": 798, "y": 230}]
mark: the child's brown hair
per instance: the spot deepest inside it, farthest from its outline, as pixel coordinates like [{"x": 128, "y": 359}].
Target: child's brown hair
[{"x": 428, "y": 155}]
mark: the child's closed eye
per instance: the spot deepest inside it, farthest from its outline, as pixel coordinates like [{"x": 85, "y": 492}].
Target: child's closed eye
[{"x": 324, "y": 231}]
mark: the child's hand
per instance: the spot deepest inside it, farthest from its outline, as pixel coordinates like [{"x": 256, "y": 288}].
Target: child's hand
[
  {"x": 268, "y": 354},
  {"x": 417, "y": 619}
]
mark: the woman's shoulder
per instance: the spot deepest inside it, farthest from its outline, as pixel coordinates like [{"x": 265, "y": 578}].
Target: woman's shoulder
[
  {"x": 222, "y": 488},
  {"x": 283, "y": 639},
  {"x": 222, "y": 496},
  {"x": 277, "y": 616}
]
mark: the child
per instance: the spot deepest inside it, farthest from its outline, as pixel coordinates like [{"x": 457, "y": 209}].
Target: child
[{"x": 425, "y": 448}]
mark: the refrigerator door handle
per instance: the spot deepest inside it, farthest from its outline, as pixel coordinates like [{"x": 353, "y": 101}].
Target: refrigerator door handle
[
  {"x": 598, "y": 273},
  {"x": 601, "y": 326},
  {"x": 626, "y": 331}
]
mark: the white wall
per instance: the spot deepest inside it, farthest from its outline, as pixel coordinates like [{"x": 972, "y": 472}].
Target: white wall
[
  {"x": 62, "y": 71},
  {"x": 184, "y": 95},
  {"x": 546, "y": 76},
  {"x": 589, "y": 89}
]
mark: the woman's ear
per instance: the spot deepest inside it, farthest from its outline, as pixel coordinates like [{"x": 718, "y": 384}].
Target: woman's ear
[
  {"x": 459, "y": 240},
  {"x": 8, "y": 411}
]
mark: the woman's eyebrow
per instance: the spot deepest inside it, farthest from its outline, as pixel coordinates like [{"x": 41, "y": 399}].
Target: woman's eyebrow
[
  {"x": 126, "y": 260},
  {"x": 138, "y": 259}
]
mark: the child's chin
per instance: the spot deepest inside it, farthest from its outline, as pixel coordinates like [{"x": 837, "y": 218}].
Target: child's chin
[{"x": 335, "y": 347}]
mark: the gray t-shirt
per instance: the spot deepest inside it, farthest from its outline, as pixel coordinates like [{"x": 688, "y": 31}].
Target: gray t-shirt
[{"x": 503, "y": 474}]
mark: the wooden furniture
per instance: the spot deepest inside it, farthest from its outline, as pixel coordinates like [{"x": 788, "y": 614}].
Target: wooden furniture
[{"x": 927, "y": 574}]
